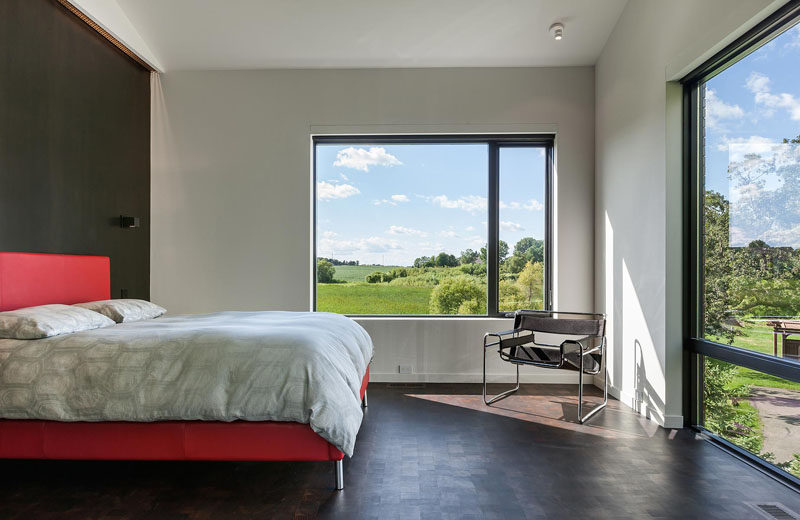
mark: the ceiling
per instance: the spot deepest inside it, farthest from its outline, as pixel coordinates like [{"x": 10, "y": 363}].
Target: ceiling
[{"x": 257, "y": 34}]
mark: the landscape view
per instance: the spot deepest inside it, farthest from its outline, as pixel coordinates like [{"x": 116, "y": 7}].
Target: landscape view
[
  {"x": 752, "y": 246},
  {"x": 402, "y": 228}
]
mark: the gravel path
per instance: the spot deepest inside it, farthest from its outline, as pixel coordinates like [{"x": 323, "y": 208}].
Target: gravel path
[{"x": 780, "y": 414}]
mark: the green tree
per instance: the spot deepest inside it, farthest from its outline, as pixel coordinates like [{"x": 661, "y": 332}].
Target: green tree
[
  {"x": 502, "y": 252},
  {"x": 445, "y": 260},
  {"x": 531, "y": 283},
  {"x": 424, "y": 261},
  {"x": 724, "y": 411},
  {"x": 717, "y": 267},
  {"x": 523, "y": 245},
  {"x": 468, "y": 256},
  {"x": 325, "y": 271},
  {"x": 455, "y": 291},
  {"x": 515, "y": 264}
]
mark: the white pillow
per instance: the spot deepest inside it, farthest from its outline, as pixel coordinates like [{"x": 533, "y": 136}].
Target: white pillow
[
  {"x": 125, "y": 310},
  {"x": 49, "y": 320}
]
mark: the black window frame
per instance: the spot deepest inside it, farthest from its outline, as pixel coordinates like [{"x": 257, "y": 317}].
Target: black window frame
[
  {"x": 696, "y": 347},
  {"x": 494, "y": 142}
]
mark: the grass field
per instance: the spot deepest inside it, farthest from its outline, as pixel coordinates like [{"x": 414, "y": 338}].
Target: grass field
[
  {"x": 357, "y": 273},
  {"x": 364, "y": 298},
  {"x": 758, "y": 337}
]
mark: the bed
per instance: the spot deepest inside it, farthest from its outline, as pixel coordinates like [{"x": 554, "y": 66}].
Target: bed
[{"x": 30, "y": 279}]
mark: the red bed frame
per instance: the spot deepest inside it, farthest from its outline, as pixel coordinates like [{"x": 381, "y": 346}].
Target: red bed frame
[{"x": 28, "y": 279}]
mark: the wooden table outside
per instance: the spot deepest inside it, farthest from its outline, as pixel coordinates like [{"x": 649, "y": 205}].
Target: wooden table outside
[{"x": 783, "y": 328}]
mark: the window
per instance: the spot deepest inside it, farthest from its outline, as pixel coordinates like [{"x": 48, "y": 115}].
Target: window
[
  {"x": 743, "y": 146},
  {"x": 445, "y": 225}
]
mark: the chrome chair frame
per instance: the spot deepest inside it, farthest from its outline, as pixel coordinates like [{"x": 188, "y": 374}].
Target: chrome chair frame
[{"x": 586, "y": 346}]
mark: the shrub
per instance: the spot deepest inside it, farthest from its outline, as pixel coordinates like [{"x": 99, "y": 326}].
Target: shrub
[
  {"x": 454, "y": 291},
  {"x": 325, "y": 271},
  {"x": 398, "y": 272},
  {"x": 376, "y": 277},
  {"x": 474, "y": 269}
]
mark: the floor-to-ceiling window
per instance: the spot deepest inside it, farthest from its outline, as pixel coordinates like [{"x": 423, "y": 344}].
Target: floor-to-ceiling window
[
  {"x": 432, "y": 225},
  {"x": 743, "y": 164}
]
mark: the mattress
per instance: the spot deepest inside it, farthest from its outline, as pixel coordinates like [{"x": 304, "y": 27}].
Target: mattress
[{"x": 226, "y": 366}]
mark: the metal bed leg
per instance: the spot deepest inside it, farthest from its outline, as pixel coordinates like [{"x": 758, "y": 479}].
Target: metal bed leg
[
  {"x": 582, "y": 419},
  {"x": 502, "y": 395},
  {"x": 364, "y": 400},
  {"x": 339, "y": 475}
]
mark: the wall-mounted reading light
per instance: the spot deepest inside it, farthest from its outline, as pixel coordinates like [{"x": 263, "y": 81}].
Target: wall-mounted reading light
[
  {"x": 128, "y": 222},
  {"x": 557, "y": 31}
]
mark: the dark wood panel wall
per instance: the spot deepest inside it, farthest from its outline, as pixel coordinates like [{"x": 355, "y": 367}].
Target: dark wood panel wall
[{"x": 74, "y": 142}]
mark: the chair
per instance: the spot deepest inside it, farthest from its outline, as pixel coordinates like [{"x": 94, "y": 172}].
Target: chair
[{"x": 582, "y": 348}]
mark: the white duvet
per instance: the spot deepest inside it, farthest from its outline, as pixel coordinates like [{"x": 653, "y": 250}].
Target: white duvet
[{"x": 255, "y": 366}]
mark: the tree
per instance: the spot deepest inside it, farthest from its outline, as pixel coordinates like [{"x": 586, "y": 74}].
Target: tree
[
  {"x": 523, "y": 245},
  {"x": 531, "y": 282},
  {"x": 502, "y": 252},
  {"x": 445, "y": 260},
  {"x": 325, "y": 271},
  {"x": 455, "y": 291},
  {"x": 468, "y": 256},
  {"x": 424, "y": 261},
  {"x": 515, "y": 264}
]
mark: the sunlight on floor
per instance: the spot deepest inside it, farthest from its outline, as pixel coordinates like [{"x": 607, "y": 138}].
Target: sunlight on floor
[{"x": 557, "y": 412}]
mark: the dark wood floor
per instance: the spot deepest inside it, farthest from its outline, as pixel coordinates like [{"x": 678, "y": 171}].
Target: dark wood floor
[{"x": 427, "y": 452}]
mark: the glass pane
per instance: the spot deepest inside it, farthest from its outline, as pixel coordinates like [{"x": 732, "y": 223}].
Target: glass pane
[
  {"x": 400, "y": 228},
  {"x": 755, "y": 411},
  {"x": 522, "y": 228},
  {"x": 752, "y": 201}
]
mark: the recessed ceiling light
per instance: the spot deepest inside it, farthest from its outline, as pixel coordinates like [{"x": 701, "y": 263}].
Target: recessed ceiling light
[{"x": 557, "y": 31}]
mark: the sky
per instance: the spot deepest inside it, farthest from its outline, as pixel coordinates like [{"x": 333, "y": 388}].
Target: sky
[
  {"x": 750, "y": 108},
  {"x": 391, "y": 203}
]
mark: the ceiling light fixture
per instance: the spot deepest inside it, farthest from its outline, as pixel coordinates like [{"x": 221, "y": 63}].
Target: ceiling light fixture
[{"x": 557, "y": 31}]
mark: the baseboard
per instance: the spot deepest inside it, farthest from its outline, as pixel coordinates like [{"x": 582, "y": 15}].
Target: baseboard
[
  {"x": 645, "y": 409},
  {"x": 547, "y": 378}
]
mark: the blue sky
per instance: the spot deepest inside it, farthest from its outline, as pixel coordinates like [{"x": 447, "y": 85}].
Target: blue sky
[
  {"x": 391, "y": 203},
  {"x": 750, "y": 107}
]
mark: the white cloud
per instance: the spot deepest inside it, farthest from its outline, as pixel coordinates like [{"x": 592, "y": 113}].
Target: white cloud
[
  {"x": 327, "y": 191},
  {"x": 718, "y": 111},
  {"x": 362, "y": 159},
  {"x": 470, "y": 228},
  {"x": 757, "y": 82},
  {"x": 531, "y": 205},
  {"x": 448, "y": 234},
  {"x": 401, "y": 230},
  {"x": 752, "y": 144},
  {"x": 330, "y": 234},
  {"x": 330, "y": 246},
  {"x": 534, "y": 205},
  {"x": 759, "y": 85},
  {"x": 510, "y": 226},
  {"x": 400, "y": 198},
  {"x": 471, "y": 203}
]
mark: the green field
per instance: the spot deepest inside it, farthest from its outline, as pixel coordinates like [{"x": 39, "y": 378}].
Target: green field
[
  {"x": 357, "y": 273},
  {"x": 364, "y": 298},
  {"x": 757, "y": 336}
]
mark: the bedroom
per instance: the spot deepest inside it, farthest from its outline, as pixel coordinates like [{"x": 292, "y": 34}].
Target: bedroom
[{"x": 209, "y": 132}]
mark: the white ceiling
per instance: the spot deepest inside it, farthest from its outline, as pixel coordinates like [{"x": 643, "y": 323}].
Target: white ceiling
[{"x": 256, "y": 34}]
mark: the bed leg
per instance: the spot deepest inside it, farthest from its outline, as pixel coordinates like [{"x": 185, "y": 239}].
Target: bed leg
[
  {"x": 364, "y": 400},
  {"x": 339, "y": 475}
]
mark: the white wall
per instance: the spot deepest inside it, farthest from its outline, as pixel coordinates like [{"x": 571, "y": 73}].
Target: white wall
[
  {"x": 638, "y": 200},
  {"x": 231, "y": 186}
]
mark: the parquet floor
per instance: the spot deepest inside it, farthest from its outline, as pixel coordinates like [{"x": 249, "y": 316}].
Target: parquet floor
[{"x": 430, "y": 452}]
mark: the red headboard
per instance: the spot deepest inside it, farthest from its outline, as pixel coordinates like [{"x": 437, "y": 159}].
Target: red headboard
[{"x": 28, "y": 279}]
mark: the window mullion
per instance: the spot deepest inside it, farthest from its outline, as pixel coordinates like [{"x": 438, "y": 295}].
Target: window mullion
[{"x": 493, "y": 232}]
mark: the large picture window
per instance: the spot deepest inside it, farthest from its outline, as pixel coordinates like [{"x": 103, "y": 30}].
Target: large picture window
[
  {"x": 743, "y": 139},
  {"x": 445, "y": 225}
]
